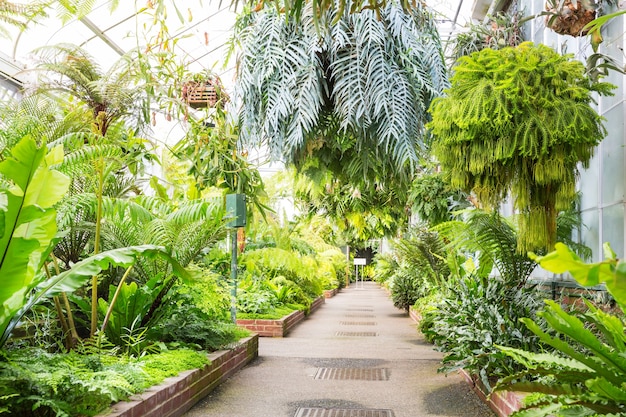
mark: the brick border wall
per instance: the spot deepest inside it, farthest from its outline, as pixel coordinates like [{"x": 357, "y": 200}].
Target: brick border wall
[
  {"x": 417, "y": 317},
  {"x": 272, "y": 328},
  {"x": 330, "y": 293},
  {"x": 503, "y": 403},
  {"x": 176, "y": 395},
  {"x": 317, "y": 303},
  {"x": 280, "y": 327}
]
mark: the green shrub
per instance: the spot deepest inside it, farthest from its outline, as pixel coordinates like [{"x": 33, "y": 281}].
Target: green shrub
[
  {"x": 405, "y": 290},
  {"x": 476, "y": 315},
  {"x": 188, "y": 324}
]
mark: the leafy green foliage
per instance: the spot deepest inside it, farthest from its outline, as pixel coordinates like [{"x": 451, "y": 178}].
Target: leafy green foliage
[
  {"x": 38, "y": 384},
  {"x": 27, "y": 223},
  {"x": 184, "y": 323},
  {"x": 405, "y": 290},
  {"x": 476, "y": 315},
  {"x": 418, "y": 267},
  {"x": 350, "y": 91},
  {"x": 271, "y": 263},
  {"x": 492, "y": 240},
  {"x": 433, "y": 200},
  {"x": 501, "y": 31},
  {"x": 611, "y": 271},
  {"x": 215, "y": 160},
  {"x": 586, "y": 373},
  {"x": 519, "y": 120}
]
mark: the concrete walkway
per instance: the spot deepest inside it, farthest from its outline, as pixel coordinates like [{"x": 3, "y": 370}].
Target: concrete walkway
[{"x": 357, "y": 356}]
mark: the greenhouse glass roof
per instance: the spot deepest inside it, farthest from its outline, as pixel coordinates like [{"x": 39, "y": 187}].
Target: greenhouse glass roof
[{"x": 202, "y": 28}]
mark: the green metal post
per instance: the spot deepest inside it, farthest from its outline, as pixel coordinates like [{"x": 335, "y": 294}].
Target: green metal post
[{"x": 233, "y": 275}]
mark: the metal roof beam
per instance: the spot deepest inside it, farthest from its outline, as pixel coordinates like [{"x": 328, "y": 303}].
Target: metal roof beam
[{"x": 100, "y": 34}]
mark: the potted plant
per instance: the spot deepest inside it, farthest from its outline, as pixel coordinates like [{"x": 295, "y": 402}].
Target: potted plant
[
  {"x": 203, "y": 90},
  {"x": 569, "y": 17}
]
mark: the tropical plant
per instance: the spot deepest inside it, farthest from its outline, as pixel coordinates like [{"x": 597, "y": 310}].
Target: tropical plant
[
  {"x": 405, "y": 289},
  {"x": 108, "y": 99},
  {"x": 350, "y": 92},
  {"x": 20, "y": 14},
  {"x": 491, "y": 241},
  {"x": 474, "y": 317},
  {"x": 27, "y": 219},
  {"x": 184, "y": 323},
  {"x": 498, "y": 31},
  {"x": 586, "y": 373},
  {"x": 419, "y": 267},
  {"x": 433, "y": 200},
  {"x": 519, "y": 121},
  {"x": 357, "y": 213}
]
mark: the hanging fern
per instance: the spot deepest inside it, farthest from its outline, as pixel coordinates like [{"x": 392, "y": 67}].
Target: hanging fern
[
  {"x": 518, "y": 121},
  {"x": 352, "y": 89}
]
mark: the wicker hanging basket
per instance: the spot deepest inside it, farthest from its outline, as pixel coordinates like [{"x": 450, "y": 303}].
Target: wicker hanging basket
[{"x": 200, "y": 94}]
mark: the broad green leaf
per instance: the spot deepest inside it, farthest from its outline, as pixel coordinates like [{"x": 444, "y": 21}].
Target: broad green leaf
[
  {"x": 81, "y": 272},
  {"x": 605, "y": 389},
  {"x": 610, "y": 272},
  {"x": 24, "y": 160}
]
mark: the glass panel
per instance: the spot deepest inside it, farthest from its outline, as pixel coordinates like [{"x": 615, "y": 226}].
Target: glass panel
[
  {"x": 613, "y": 228},
  {"x": 612, "y": 46},
  {"x": 589, "y": 233},
  {"x": 588, "y": 184},
  {"x": 612, "y": 154}
]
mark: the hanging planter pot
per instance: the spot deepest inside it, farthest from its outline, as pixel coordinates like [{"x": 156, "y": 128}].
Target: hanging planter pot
[
  {"x": 203, "y": 91},
  {"x": 569, "y": 17}
]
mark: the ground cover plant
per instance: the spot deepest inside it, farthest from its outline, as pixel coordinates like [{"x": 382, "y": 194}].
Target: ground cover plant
[{"x": 36, "y": 383}]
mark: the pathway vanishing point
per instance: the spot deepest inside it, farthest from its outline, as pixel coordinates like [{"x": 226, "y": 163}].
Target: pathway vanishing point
[{"x": 356, "y": 356}]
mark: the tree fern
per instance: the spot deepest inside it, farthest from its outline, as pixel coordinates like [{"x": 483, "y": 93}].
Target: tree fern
[{"x": 518, "y": 121}]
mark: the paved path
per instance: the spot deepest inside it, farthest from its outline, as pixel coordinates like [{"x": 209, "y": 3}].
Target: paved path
[{"x": 357, "y": 356}]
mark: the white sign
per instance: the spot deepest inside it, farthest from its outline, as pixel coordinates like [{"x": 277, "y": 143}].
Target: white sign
[{"x": 360, "y": 261}]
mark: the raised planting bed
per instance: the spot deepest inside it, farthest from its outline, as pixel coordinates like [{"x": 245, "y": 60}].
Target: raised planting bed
[
  {"x": 317, "y": 303},
  {"x": 330, "y": 293},
  {"x": 503, "y": 403},
  {"x": 176, "y": 395},
  {"x": 280, "y": 327}
]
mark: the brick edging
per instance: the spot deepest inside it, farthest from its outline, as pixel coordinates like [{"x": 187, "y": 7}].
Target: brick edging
[
  {"x": 317, "y": 303},
  {"x": 330, "y": 293},
  {"x": 280, "y": 327},
  {"x": 503, "y": 403},
  {"x": 174, "y": 396},
  {"x": 417, "y": 317}
]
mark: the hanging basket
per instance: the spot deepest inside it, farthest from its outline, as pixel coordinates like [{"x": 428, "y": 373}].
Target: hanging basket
[
  {"x": 569, "y": 18},
  {"x": 200, "y": 94}
]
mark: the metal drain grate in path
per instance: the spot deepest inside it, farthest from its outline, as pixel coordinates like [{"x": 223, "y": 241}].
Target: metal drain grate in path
[
  {"x": 361, "y": 374},
  {"x": 357, "y": 334},
  {"x": 342, "y": 412},
  {"x": 358, "y": 323}
]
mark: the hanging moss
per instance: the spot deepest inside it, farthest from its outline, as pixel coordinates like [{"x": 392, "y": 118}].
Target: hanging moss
[{"x": 519, "y": 120}]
